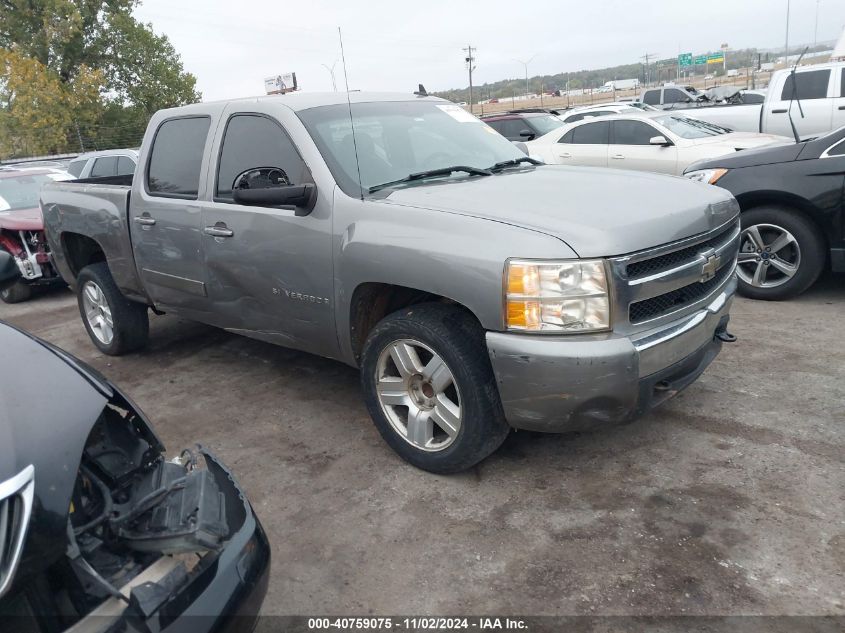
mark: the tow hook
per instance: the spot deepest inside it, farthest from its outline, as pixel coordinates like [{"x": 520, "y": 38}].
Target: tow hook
[{"x": 726, "y": 337}]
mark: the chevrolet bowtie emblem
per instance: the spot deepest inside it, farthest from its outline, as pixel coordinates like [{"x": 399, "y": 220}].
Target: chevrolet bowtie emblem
[{"x": 710, "y": 265}]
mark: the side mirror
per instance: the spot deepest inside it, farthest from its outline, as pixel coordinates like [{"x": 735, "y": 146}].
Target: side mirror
[
  {"x": 9, "y": 271},
  {"x": 527, "y": 134},
  {"x": 270, "y": 187},
  {"x": 659, "y": 140}
]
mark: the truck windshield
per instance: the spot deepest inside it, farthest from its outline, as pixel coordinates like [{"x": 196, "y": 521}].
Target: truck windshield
[
  {"x": 687, "y": 127},
  {"x": 21, "y": 191},
  {"x": 395, "y": 139}
]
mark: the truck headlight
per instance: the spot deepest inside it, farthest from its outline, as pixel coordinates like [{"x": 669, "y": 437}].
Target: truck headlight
[
  {"x": 708, "y": 176},
  {"x": 557, "y": 296}
]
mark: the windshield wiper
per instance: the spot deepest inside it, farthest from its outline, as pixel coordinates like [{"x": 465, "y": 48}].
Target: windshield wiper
[
  {"x": 433, "y": 173},
  {"x": 513, "y": 163}
]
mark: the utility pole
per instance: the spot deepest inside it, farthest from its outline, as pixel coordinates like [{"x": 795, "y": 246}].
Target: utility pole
[
  {"x": 816, "y": 29},
  {"x": 331, "y": 72},
  {"x": 647, "y": 72},
  {"x": 470, "y": 60},
  {"x": 525, "y": 64},
  {"x": 786, "y": 46}
]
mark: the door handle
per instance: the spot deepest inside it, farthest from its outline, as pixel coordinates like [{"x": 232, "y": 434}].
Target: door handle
[
  {"x": 779, "y": 111},
  {"x": 218, "y": 231},
  {"x": 842, "y": 107},
  {"x": 618, "y": 157},
  {"x": 565, "y": 155},
  {"x": 144, "y": 220}
]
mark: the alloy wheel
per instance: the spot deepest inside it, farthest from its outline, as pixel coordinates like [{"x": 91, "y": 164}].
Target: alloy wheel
[
  {"x": 97, "y": 312},
  {"x": 769, "y": 256},
  {"x": 418, "y": 395}
]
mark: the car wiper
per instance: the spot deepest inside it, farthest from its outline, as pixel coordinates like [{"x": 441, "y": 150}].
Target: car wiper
[
  {"x": 513, "y": 163},
  {"x": 433, "y": 173}
]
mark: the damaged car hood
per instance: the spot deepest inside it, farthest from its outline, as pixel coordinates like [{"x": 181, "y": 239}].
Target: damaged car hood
[
  {"x": 49, "y": 402},
  {"x": 597, "y": 211}
]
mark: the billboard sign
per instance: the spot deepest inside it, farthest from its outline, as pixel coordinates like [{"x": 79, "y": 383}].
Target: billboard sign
[
  {"x": 716, "y": 58},
  {"x": 280, "y": 84}
]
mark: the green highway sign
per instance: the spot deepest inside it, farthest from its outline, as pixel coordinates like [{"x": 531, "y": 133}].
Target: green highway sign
[
  {"x": 716, "y": 58},
  {"x": 700, "y": 59},
  {"x": 685, "y": 59}
]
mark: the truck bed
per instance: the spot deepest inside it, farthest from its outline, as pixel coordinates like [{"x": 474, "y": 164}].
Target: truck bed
[{"x": 96, "y": 209}]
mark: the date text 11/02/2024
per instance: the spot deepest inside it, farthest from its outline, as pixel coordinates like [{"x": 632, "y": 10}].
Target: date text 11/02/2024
[{"x": 421, "y": 623}]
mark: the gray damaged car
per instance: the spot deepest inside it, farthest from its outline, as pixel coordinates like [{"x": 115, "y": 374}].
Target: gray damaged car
[{"x": 476, "y": 289}]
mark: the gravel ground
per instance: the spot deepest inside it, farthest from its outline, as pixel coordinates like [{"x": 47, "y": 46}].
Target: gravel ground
[{"x": 728, "y": 500}]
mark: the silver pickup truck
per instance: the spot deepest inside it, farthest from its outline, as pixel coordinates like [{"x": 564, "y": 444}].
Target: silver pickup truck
[{"x": 476, "y": 289}]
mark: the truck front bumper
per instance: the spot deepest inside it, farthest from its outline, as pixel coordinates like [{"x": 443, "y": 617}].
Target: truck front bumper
[{"x": 563, "y": 383}]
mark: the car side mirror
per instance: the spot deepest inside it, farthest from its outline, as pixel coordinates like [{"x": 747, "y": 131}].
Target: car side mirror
[
  {"x": 9, "y": 271},
  {"x": 659, "y": 140},
  {"x": 528, "y": 135},
  {"x": 270, "y": 187}
]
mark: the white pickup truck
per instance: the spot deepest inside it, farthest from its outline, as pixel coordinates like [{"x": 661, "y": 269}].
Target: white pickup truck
[{"x": 820, "y": 90}]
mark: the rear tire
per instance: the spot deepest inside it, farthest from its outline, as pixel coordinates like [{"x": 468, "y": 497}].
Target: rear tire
[
  {"x": 442, "y": 412},
  {"x": 782, "y": 253},
  {"x": 17, "y": 293},
  {"x": 115, "y": 324}
]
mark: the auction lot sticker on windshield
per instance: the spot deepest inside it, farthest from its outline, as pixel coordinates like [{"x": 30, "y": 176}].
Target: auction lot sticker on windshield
[{"x": 458, "y": 113}]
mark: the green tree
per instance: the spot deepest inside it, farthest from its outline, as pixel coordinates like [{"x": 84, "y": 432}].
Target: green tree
[{"x": 73, "y": 42}]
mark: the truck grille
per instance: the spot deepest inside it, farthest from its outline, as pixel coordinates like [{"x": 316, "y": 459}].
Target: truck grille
[
  {"x": 675, "y": 277},
  {"x": 15, "y": 509}
]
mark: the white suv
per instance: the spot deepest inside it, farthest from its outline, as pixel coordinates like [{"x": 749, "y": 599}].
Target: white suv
[{"x": 114, "y": 162}]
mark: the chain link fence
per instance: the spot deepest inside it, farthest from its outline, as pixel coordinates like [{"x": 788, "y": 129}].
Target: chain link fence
[{"x": 76, "y": 140}]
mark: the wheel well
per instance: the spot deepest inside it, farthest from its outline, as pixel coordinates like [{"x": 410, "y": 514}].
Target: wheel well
[
  {"x": 783, "y": 200},
  {"x": 81, "y": 251},
  {"x": 371, "y": 302}
]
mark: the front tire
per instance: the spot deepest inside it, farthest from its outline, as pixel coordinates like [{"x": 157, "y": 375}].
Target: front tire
[
  {"x": 430, "y": 390},
  {"x": 115, "y": 324},
  {"x": 781, "y": 254}
]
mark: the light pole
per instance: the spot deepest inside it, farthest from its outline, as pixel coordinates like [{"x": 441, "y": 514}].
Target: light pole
[
  {"x": 331, "y": 72},
  {"x": 816, "y": 28},
  {"x": 525, "y": 64},
  {"x": 786, "y": 46}
]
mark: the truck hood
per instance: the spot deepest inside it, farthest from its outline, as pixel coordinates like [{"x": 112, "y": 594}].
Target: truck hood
[
  {"x": 22, "y": 220},
  {"x": 597, "y": 212}
]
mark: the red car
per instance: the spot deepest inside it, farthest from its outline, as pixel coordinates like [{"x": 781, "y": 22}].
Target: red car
[{"x": 22, "y": 228}]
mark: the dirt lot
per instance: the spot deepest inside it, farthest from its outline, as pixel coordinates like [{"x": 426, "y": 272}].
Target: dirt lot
[{"x": 729, "y": 500}]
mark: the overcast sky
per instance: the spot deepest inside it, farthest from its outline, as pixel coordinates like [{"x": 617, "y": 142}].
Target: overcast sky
[{"x": 393, "y": 45}]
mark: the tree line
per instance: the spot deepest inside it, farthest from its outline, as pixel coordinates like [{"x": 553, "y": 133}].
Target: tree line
[{"x": 79, "y": 75}]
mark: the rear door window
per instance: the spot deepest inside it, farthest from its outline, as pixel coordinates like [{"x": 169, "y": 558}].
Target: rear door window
[
  {"x": 810, "y": 84},
  {"x": 176, "y": 157},
  {"x": 253, "y": 141},
  {"x": 125, "y": 166},
  {"x": 651, "y": 97},
  {"x": 591, "y": 133},
  {"x": 105, "y": 166}
]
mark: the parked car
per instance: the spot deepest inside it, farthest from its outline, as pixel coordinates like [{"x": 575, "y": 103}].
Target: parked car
[
  {"x": 113, "y": 162},
  {"x": 22, "y": 229},
  {"x": 522, "y": 126},
  {"x": 793, "y": 211},
  {"x": 648, "y": 141},
  {"x": 99, "y": 530},
  {"x": 820, "y": 89},
  {"x": 470, "y": 285},
  {"x": 605, "y": 109}
]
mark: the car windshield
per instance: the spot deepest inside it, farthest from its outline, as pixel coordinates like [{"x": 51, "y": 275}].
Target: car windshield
[
  {"x": 396, "y": 139},
  {"x": 21, "y": 191},
  {"x": 546, "y": 123},
  {"x": 687, "y": 127}
]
